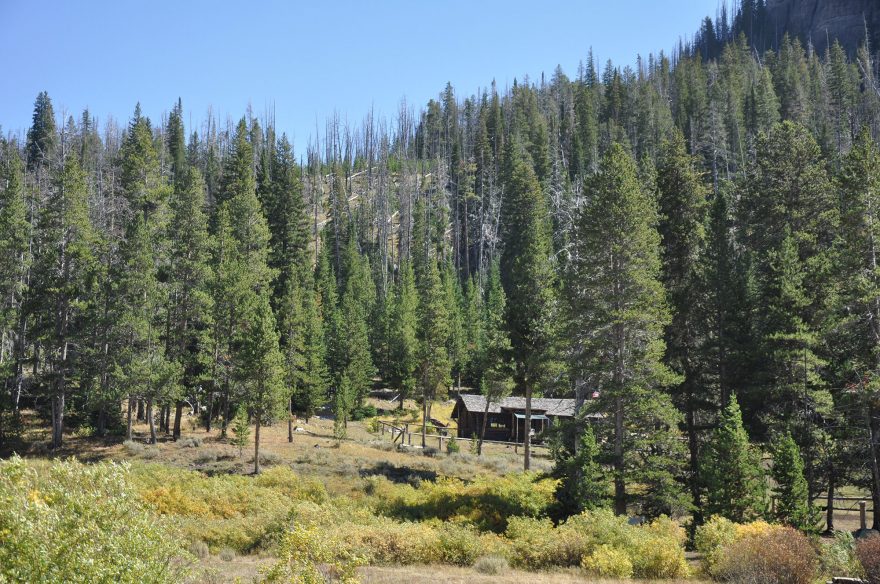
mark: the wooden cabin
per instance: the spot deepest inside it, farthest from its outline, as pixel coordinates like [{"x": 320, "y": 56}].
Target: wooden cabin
[{"x": 506, "y": 421}]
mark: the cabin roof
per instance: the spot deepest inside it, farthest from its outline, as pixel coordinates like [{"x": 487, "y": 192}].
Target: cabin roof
[{"x": 556, "y": 407}]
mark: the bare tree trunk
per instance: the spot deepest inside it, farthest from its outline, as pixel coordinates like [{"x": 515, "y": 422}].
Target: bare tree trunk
[
  {"x": 58, "y": 417},
  {"x": 483, "y": 429},
  {"x": 424, "y": 420},
  {"x": 257, "y": 446},
  {"x": 152, "y": 421},
  {"x": 290, "y": 421},
  {"x": 178, "y": 414},
  {"x": 210, "y": 410},
  {"x": 829, "y": 501},
  {"x": 527, "y": 437},
  {"x": 128, "y": 418}
]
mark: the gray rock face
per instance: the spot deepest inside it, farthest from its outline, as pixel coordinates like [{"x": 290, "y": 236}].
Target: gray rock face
[{"x": 820, "y": 20}]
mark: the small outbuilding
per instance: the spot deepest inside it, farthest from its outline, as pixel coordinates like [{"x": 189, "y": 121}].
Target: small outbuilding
[{"x": 506, "y": 418}]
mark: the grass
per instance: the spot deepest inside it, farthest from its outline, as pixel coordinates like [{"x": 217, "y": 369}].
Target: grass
[{"x": 453, "y": 575}]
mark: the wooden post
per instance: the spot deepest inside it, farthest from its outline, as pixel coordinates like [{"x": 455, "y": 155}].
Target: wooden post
[
  {"x": 440, "y": 442},
  {"x": 863, "y": 515}
]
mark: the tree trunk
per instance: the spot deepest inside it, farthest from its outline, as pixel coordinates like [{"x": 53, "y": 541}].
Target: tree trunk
[
  {"x": 225, "y": 421},
  {"x": 424, "y": 420},
  {"x": 141, "y": 416},
  {"x": 694, "y": 450},
  {"x": 257, "y": 446},
  {"x": 527, "y": 434},
  {"x": 875, "y": 463},
  {"x": 101, "y": 430},
  {"x": 151, "y": 420},
  {"x": 128, "y": 418},
  {"x": 829, "y": 501},
  {"x": 483, "y": 429},
  {"x": 57, "y": 419},
  {"x": 178, "y": 414},
  {"x": 619, "y": 485},
  {"x": 167, "y": 418},
  {"x": 290, "y": 421},
  {"x": 210, "y": 411}
]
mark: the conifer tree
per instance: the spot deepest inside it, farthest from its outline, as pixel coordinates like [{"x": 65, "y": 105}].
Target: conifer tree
[
  {"x": 583, "y": 483},
  {"x": 527, "y": 276},
  {"x": 618, "y": 313},
  {"x": 314, "y": 378},
  {"x": 496, "y": 366},
  {"x": 63, "y": 284},
  {"x": 457, "y": 342},
  {"x": 260, "y": 368},
  {"x": 858, "y": 316},
  {"x": 793, "y": 506},
  {"x": 404, "y": 330},
  {"x": 731, "y": 470},
  {"x": 190, "y": 305},
  {"x": 433, "y": 359},
  {"x": 42, "y": 138},
  {"x": 682, "y": 198},
  {"x": 15, "y": 261}
]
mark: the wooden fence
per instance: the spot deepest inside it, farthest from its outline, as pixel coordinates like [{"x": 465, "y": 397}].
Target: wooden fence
[{"x": 403, "y": 435}]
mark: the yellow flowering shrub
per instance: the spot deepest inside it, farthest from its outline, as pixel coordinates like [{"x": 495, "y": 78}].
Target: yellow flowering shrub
[
  {"x": 608, "y": 562},
  {"x": 66, "y": 521}
]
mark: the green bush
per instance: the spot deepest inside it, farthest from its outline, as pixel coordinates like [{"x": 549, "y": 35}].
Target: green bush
[
  {"x": 839, "y": 557},
  {"x": 452, "y": 446},
  {"x": 71, "y": 522}
]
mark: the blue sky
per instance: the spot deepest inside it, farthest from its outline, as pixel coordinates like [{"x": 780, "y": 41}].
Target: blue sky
[{"x": 306, "y": 59}]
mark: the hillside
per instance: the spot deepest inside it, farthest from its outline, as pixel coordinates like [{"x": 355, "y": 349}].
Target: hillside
[{"x": 820, "y": 20}]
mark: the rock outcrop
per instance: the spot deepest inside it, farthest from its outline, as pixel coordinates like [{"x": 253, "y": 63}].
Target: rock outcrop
[{"x": 819, "y": 21}]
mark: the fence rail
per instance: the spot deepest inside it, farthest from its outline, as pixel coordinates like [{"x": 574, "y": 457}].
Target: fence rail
[{"x": 405, "y": 436}]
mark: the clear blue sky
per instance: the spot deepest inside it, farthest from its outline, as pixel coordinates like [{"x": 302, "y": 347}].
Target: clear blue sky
[{"x": 306, "y": 58}]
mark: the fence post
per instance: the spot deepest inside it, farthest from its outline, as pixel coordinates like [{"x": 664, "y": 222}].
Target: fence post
[{"x": 863, "y": 514}]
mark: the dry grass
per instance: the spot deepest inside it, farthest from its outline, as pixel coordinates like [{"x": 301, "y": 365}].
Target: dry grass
[{"x": 452, "y": 575}]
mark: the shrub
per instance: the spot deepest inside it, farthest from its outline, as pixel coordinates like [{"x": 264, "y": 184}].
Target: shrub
[
  {"x": 608, "y": 562},
  {"x": 267, "y": 459},
  {"x": 133, "y": 448},
  {"x": 70, "y": 522},
  {"x": 206, "y": 456},
  {"x": 452, "y": 446},
  {"x": 711, "y": 539},
  {"x": 364, "y": 412},
  {"x": 191, "y": 442},
  {"x": 839, "y": 557},
  {"x": 303, "y": 551},
  {"x": 199, "y": 549},
  {"x": 227, "y": 555},
  {"x": 779, "y": 556},
  {"x": 491, "y": 565},
  {"x": 459, "y": 545},
  {"x": 868, "y": 552}
]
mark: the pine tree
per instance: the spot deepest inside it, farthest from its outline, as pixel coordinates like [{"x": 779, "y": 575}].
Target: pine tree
[
  {"x": 189, "y": 278},
  {"x": 618, "y": 313},
  {"x": 527, "y": 276},
  {"x": 793, "y": 506},
  {"x": 404, "y": 330},
  {"x": 682, "y": 198},
  {"x": 583, "y": 483},
  {"x": 15, "y": 261},
  {"x": 496, "y": 368},
  {"x": 314, "y": 378},
  {"x": 858, "y": 315},
  {"x": 63, "y": 273},
  {"x": 731, "y": 470},
  {"x": 143, "y": 366},
  {"x": 456, "y": 343},
  {"x": 260, "y": 368},
  {"x": 241, "y": 431},
  {"x": 42, "y": 139},
  {"x": 433, "y": 359}
]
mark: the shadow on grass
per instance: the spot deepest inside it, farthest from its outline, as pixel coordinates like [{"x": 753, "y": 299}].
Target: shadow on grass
[{"x": 398, "y": 474}]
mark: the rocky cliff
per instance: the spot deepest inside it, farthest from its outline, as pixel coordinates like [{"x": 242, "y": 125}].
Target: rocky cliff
[{"x": 820, "y": 20}]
